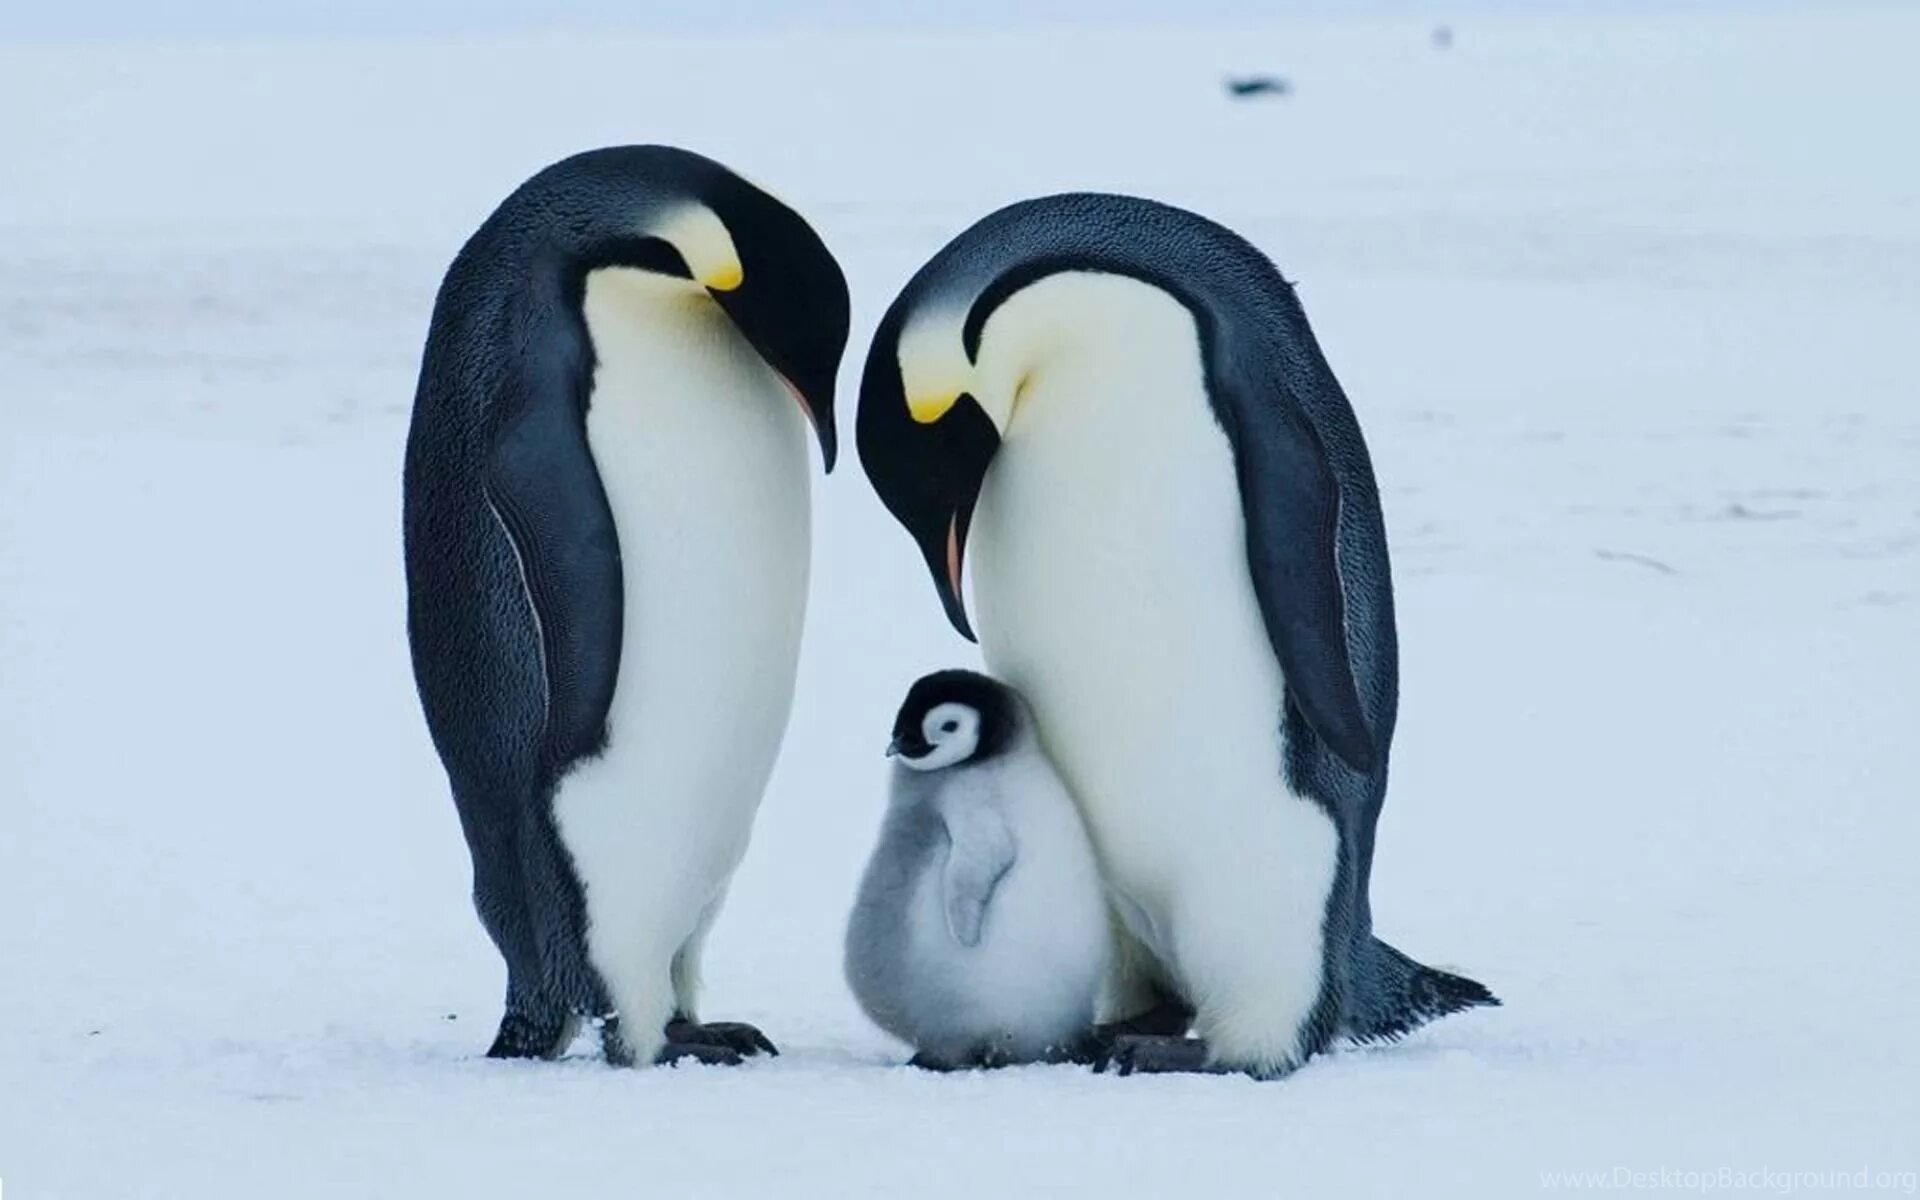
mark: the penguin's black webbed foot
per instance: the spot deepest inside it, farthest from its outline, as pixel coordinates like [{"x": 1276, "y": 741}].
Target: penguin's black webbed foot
[
  {"x": 737, "y": 1037},
  {"x": 698, "y": 1052},
  {"x": 1158, "y": 1054},
  {"x": 529, "y": 1035},
  {"x": 922, "y": 1061},
  {"x": 1169, "y": 1018}
]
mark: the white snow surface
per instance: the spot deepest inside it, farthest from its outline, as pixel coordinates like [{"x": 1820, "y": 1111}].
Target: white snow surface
[{"x": 1627, "y": 305}]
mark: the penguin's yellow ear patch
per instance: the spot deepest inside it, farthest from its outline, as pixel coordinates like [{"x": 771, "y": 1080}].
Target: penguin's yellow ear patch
[
  {"x": 926, "y": 409},
  {"x": 934, "y": 369},
  {"x": 703, "y": 241}
]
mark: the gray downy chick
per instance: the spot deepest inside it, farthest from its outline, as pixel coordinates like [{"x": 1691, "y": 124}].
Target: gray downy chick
[{"x": 980, "y": 935}]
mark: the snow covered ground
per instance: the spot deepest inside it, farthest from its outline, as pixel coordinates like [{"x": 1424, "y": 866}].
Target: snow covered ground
[{"x": 1628, "y": 306}]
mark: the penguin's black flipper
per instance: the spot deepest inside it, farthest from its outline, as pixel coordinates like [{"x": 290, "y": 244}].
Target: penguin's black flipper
[
  {"x": 1291, "y": 500},
  {"x": 980, "y": 852},
  {"x": 543, "y": 484}
]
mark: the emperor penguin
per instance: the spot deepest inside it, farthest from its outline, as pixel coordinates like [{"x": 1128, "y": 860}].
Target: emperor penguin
[
  {"x": 607, "y": 541},
  {"x": 1118, "y": 409},
  {"x": 980, "y": 934}
]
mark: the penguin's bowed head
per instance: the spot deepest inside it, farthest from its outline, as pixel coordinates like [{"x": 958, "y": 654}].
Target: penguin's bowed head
[{"x": 675, "y": 213}]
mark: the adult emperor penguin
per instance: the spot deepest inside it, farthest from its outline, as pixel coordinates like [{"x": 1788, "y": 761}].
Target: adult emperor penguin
[
  {"x": 1179, "y": 559},
  {"x": 607, "y": 540}
]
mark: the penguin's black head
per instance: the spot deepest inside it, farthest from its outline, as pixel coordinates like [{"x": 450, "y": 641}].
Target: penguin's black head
[
  {"x": 939, "y": 389},
  {"x": 927, "y": 469},
  {"x": 676, "y": 213},
  {"x": 791, "y": 302},
  {"x": 954, "y": 717}
]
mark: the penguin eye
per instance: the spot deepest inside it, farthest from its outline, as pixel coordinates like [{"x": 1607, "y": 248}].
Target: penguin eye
[{"x": 949, "y": 726}]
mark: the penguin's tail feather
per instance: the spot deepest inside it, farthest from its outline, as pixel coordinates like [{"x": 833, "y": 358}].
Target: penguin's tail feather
[{"x": 1394, "y": 995}]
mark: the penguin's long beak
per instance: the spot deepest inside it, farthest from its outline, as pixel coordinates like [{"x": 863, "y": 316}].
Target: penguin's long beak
[
  {"x": 963, "y": 450},
  {"x": 781, "y": 326},
  {"x": 946, "y": 552},
  {"x": 929, "y": 473},
  {"x": 823, "y": 431}
]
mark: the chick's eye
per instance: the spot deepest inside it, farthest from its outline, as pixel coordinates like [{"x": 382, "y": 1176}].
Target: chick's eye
[{"x": 949, "y": 726}]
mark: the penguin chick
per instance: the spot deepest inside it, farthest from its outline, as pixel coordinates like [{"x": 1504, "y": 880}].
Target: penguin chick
[{"x": 980, "y": 935}]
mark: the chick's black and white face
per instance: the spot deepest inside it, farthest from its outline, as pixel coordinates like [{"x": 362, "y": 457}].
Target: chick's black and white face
[
  {"x": 953, "y": 717},
  {"x": 949, "y": 734}
]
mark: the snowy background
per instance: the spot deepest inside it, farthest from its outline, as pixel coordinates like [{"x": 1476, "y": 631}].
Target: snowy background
[{"x": 1627, "y": 299}]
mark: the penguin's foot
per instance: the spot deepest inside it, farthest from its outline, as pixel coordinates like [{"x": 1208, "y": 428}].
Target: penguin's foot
[
  {"x": 1169, "y": 1018},
  {"x": 1158, "y": 1054},
  {"x": 530, "y": 1035},
  {"x": 699, "y": 1052},
  {"x": 736, "y": 1037},
  {"x": 925, "y": 1063}
]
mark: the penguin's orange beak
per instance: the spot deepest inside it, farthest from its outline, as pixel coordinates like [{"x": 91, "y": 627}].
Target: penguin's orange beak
[{"x": 952, "y": 595}]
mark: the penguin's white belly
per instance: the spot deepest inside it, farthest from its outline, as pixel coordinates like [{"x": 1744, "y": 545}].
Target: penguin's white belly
[
  {"x": 1111, "y": 579},
  {"x": 702, "y": 452}
]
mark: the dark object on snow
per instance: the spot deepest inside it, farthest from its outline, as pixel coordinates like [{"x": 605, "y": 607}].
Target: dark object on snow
[
  {"x": 1442, "y": 37},
  {"x": 1244, "y": 86}
]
